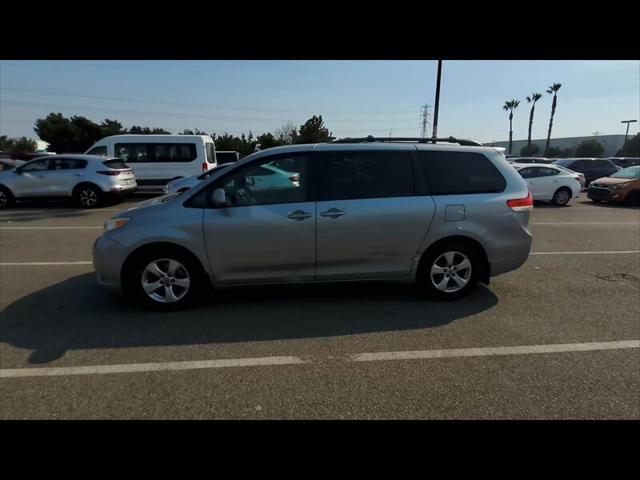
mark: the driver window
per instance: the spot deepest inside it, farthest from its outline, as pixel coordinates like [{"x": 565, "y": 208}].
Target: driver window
[
  {"x": 281, "y": 179},
  {"x": 36, "y": 166}
]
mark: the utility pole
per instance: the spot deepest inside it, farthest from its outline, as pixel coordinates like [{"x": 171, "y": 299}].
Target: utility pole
[
  {"x": 425, "y": 116},
  {"x": 627, "y": 132},
  {"x": 434, "y": 133}
]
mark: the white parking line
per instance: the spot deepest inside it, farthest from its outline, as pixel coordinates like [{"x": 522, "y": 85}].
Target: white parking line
[
  {"x": 41, "y": 264},
  {"x": 291, "y": 360},
  {"x": 610, "y": 252}
]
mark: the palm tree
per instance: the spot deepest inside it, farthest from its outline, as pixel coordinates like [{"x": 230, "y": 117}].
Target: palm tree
[
  {"x": 510, "y": 106},
  {"x": 552, "y": 89},
  {"x": 532, "y": 99}
]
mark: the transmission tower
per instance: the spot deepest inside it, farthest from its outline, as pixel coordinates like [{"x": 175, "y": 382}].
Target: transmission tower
[{"x": 425, "y": 119}]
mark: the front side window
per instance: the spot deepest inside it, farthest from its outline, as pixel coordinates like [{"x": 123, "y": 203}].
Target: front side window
[
  {"x": 458, "y": 173},
  {"x": 267, "y": 182},
  {"x": 362, "y": 174},
  {"x": 36, "y": 166}
]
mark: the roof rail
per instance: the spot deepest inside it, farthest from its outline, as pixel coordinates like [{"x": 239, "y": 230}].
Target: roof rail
[{"x": 371, "y": 139}]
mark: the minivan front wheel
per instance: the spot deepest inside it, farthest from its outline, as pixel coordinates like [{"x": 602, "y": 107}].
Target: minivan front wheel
[{"x": 449, "y": 272}]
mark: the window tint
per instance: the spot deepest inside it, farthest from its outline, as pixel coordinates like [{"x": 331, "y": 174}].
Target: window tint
[
  {"x": 67, "y": 164},
  {"x": 226, "y": 157},
  {"x": 117, "y": 164},
  {"x": 456, "y": 173},
  {"x": 156, "y": 152},
  {"x": 36, "y": 166},
  {"x": 211, "y": 152},
  {"x": 526, "y": 172},
  {"x": 98, "y": 151},
  {"x": 360, "y": 174},
  {"x": 250, "y": 186}
]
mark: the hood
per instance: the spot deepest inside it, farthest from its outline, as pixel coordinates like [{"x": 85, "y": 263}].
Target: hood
[
  {"x": 162, "y": 199},
  {"x": 612, "y": 181}
]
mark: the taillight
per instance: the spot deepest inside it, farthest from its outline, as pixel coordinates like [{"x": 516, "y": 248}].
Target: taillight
[
  {"x": 521, "y": 204},
  {"x": 205, "y": 167},
  {"x": 109, "y": 172}
]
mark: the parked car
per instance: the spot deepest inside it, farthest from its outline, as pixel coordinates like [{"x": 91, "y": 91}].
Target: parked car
[
  {"x": 550, "y": 183},
  {"x": 441, "y": 216},
  {"x": 227, "y": 156},
  {"x": 625, "y": 162},
  {"x": 530, "y": 160},
  {"x": 158, "y": 159},
  {"x": 183, "y": 184},
  {"x": 88, "y": 179},
  {"x": 592, "y": 168},
  {"x": 581, "y": 178},
  {"x": 622, "y": 186}
]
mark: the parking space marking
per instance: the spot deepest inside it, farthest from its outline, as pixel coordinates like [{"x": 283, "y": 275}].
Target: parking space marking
[
  {"x": 602, "y": 252},
  {"x": 292, "y": 360},
  {"x": 41, "y": 264}
]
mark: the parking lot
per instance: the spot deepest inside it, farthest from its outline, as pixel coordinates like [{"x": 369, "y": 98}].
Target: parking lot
[{"x": 558, "y": 338}]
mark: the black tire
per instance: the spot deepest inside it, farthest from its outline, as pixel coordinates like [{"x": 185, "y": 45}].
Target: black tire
[
  {"x": 426, "y": 285},
  {"x": 633, "y": 199},
  {"x": 6, "y": 197},
  {"x": 561, "y": 197},
  {"x": 132, "y": 279},
  {"x": 596, "y": 200},
  {"x": 88, "y": 196}
]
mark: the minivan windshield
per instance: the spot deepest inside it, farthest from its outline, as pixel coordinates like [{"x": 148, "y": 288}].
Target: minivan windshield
[{"x": 631, "y": 173}]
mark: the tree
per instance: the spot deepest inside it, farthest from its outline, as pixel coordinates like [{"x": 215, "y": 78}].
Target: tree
[
  {"x": 631, "y": 148},
  {"x": 314, "y": 131},
  {"x": 590, "y": 148},
  {"x": 111, "y": 127},
  {"x": 267, "y": 140},
  {"x": 287, "y": 134},
  {"x": 193, "y": 132},
  {"x": 532, "y": 100},
  {"x": 22, "y": 144},
  {"x": 136, "y": 130},
  {"x": 530, "y": 150},
  {"x": 56, "y": 130},
  {"x": 85, "y": 133},
  {"x": 554, "y": 90},
  {"x": 510, "y": 106}
]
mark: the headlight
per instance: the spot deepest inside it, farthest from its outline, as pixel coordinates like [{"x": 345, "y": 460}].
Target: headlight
[
  {"x": 115, "y": 223},
  {"x": 618, "y": 186}
]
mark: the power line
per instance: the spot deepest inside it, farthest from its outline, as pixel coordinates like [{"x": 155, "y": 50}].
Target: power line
[
  {"x": 426, "y": 117},
  {"x": 212, "y": 107}
]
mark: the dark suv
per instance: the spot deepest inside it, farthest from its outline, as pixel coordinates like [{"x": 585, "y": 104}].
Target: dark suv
[{"x": 592, "y": 168}]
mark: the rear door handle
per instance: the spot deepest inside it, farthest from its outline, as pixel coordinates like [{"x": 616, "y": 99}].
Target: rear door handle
[
  {"x": 332, "y": 213},
  {"x": 298, "y": 215}
]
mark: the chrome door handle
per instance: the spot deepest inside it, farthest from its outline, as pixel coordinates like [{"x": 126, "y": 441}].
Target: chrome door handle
[
  {"x": 332, "y": 213},
  {"x": 298, "y": 215}
]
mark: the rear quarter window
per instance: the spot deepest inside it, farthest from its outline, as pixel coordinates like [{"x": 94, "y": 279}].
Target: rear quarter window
[{"x": 458, "y": 173}]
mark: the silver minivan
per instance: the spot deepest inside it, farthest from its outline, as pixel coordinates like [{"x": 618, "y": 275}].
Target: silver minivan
[{"x": 438, "y": 215}]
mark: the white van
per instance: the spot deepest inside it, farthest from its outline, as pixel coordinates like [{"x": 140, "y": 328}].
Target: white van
[{"x": 158, "y": 159}]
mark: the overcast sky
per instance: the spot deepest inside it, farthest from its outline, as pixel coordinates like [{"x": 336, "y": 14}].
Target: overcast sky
[{"x": 355, "y": 98}]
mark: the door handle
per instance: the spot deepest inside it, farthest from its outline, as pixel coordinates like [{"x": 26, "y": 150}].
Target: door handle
[
  {"x": 298, "y": 215},
  {"x": 332, "y": 213}
]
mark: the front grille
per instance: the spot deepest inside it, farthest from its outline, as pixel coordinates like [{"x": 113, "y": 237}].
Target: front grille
[{"x": 599, "y": 193}]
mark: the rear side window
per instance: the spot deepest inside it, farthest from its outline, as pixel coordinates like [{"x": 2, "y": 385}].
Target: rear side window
[
  {"x": 458, "y": 173},
  {"x": 361, "y": 174},
  {"x": 116, "y": 164},
  {"x": 156, "y": 152},
  {"x": 211, "y": 152},
  {"x": 67, "y": 164},
  {"x": 98, "y": 151}
]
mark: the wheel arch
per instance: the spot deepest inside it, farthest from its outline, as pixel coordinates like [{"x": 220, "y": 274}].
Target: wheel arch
[{"x": 485, "y": 273}]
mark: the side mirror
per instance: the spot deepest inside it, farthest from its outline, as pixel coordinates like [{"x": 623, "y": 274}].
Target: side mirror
[{"x": 219, "y": 198}]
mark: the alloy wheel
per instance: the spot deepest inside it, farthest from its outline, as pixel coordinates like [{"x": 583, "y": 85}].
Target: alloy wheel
[
  {"x": 451, "y": 271},
  {"x": 165, "y": 280}
]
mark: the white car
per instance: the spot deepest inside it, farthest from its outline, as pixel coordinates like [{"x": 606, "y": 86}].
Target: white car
[
  {"x": 549, "y": 183},
  {"x": 261, "y": 178}
]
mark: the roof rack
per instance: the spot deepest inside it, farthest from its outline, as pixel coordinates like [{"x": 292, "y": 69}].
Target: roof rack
[{"x": 371, "y": 139}]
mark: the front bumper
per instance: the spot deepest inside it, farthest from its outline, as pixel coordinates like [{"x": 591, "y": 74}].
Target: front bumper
[
  {"x": 108, "y": 258},
  {"x": 603, "y": 193}
]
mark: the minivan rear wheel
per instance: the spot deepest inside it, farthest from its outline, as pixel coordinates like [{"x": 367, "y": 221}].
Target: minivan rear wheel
[{"x": 449, "y": 271}]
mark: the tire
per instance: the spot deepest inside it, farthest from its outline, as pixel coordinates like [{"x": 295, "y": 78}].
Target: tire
[
  {"x": 88, "y": 196},
  {"x": 433, "y": 283},
  {"x": 596, "y": 200},
  {"x": 6, "y": 197},
  {"x": 562, "y": 197},
  {"x": 633, "y": 199},
  {"x": 180, "y": 279}
]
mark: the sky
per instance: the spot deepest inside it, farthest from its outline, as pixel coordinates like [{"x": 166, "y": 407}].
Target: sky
[{"x": 355, "y": 98}]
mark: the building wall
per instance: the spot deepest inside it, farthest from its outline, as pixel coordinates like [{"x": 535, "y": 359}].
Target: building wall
[{"x": 611, "y": 143}]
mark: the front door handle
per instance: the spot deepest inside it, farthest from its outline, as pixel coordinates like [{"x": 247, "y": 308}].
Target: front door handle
[
  {"x": 332, "y": 213},
  {"x": 298, "y": 215}
]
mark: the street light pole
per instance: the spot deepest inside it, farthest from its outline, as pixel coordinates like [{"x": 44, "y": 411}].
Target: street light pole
[
  {"x": 627, "y": 132},
  {"x": 434, "y": 133}
]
